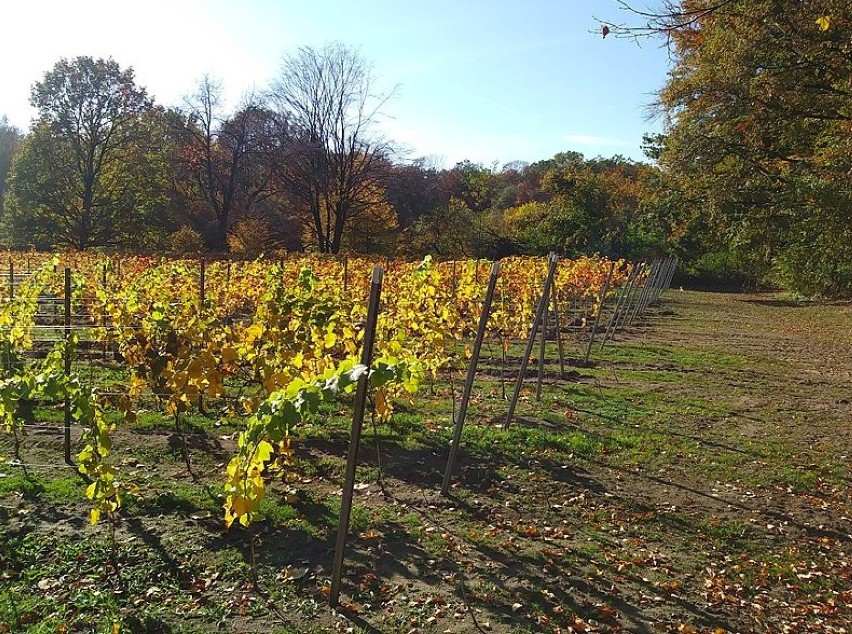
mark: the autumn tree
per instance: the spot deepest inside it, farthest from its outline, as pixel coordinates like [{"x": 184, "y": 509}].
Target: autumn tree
[
  {"x": 448, "y": 231},
  {"x": 72, "y": 175},
  {"x": 759, "y": 105},
  {"x": 227, "y": 161},
  {"x": 373, "y": 227},
  {"x": 589, "y": 206},
  {"x": 473, "y": 184},
  {"x": 663, "y": 19},
  {"x": 415, "y": 188},
  {"x": 334, "y": 157}
]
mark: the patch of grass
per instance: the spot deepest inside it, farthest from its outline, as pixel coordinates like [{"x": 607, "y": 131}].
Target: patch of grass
[
  {"x": 190, "y": 423},
  {"x": 678, "y": 356},
  {"x": 725, "y": 531},
  {"x": 277, "y": 510},
  {"x": 68, "y": 585},
  {"x": 68, "y": 488},
  {"x": 174, "y": 496},
  {"x": 325, "y": 467},
  {"x": 64, "y": 490},
  {"x": 14, "y": 481}
]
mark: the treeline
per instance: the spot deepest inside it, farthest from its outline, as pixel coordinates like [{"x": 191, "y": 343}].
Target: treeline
[
  {"x": 300, "y": 166},
  {"x": 751, "y": 183}
]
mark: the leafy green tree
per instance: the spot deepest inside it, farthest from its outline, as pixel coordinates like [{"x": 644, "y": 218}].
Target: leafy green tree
[
  {"x": 72, "y": 181},
  {"x": 472, "y": 183},
  {"x": 10, "y": 141},
  {"x": 445, "y": 231},
  {"x": 587, "y": 207}
]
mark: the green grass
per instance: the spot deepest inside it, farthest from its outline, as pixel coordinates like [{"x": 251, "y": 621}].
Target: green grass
[
  {"x": 677, "y": 356},
  {"x": 169, "y": 496},
  {"x": 65, "y": 489},
  {"x": 69, "y": 585}
]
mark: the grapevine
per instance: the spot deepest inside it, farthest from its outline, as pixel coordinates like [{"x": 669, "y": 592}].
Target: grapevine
[{"x": 269, "y": 339}]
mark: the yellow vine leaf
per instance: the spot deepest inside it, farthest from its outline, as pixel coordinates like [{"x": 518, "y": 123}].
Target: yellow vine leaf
[
  {"x": 264, "y": 452},
  {"x": 330, "y": 339},
  {"x": 383, "y": 408},
  {"x": 240, "y": 505},
  {"x": 823, "y": 22},
  {"x": 253, "y": 332}
]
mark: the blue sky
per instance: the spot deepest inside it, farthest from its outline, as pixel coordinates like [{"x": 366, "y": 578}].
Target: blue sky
[{"x": 485, "y": 80}]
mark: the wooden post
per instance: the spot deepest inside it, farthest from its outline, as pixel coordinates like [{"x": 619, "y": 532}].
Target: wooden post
[
  {"x": 664, "y": 277},
  {"x": 639, "y": 308},
  {"x": 541, "y": 348},
  {"x": 104, "y": 317},
  {"x": 667, "y": 278},
  {"x": 665, "y": 265},
  {"x": 631, "y": 296},
  {"x": 345, "y": 274},
  {"x": 471, "y": 375},
  {"x": 668, "y": 283},
  {"x": 67, "y": 365},
  {"x": 650, "y": 283},
  {"x": 357, "y": 423},
  {"x": 662, "y": 271},
  {"x": 601, "y": 300},
  {"x": 674, "y": 270},
  {"x": 11, "y": 279},
  {"x": 542, "y": 306},
  {"x": 201, "y": 292}
]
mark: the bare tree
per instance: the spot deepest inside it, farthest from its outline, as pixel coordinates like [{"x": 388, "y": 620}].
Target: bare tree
[
  {"x": 334, "y": 156},
  {"x": 669, "y": 17},
  {"x": 229, "y": 158}
]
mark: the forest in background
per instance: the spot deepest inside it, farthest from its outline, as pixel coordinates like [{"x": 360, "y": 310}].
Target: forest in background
[{"x": 749, "y": 184}]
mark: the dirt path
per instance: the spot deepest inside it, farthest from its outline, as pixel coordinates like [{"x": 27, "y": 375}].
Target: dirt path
[{"x": 797, "y": 383}]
